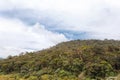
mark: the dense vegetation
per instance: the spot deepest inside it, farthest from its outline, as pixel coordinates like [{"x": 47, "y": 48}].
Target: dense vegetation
[{"x": 73, "y": 60}]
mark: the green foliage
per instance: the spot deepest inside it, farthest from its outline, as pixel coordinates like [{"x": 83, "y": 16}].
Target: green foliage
[
  {"x": 66, "y": 61},
  {"x": 63, "y": 73},
  {"x": 99, "y": 70}
]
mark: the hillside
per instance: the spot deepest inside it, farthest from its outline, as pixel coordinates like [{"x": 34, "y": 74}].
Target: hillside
[{"x": 73, "y": 60}]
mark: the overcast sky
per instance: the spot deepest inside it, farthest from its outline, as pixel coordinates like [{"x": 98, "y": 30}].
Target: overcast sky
[{"x": 31, "y": 25}]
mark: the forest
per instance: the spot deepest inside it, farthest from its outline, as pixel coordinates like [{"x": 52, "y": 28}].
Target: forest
[{"x": 72, "y": 60}]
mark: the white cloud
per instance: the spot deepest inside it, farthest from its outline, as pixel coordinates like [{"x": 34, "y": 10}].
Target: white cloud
[
  {"x": 15, "y": 37},
  {"x": 97, "y": 16}
]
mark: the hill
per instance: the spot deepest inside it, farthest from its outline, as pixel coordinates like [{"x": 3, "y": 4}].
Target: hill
[{"x": 73, "y": 60}]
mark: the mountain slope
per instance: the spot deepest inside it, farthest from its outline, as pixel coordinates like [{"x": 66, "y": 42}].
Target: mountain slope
[{"x": 67, "y": 61}]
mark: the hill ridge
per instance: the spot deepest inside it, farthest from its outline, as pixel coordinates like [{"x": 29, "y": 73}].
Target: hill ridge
[{"x": 97, "y": 58}]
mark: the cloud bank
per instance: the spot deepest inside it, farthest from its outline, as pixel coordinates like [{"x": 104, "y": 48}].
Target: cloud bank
[
  {"x": 15, "y": 37},
  {"x": 93, "y": 16}
]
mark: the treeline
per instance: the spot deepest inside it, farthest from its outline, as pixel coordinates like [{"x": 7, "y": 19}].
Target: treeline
[{"x": 73, "y": 60}]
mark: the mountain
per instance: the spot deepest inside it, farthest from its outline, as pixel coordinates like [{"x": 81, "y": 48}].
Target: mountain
[{"x": 73, "y": 60}]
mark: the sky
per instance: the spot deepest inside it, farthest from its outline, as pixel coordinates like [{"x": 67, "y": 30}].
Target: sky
[{"x": 32, "y": 25}]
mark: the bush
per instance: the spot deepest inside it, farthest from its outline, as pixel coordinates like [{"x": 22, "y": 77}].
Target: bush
[{"x": 99, "y": 70}]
